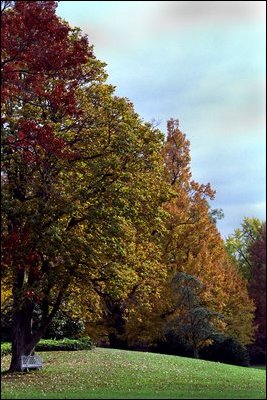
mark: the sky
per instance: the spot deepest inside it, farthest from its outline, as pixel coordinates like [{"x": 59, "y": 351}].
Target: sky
[{"x": 202, "y": 62}]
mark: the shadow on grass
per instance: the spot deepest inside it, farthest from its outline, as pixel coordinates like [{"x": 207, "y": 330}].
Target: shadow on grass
[{"x": 13, "y": 375}]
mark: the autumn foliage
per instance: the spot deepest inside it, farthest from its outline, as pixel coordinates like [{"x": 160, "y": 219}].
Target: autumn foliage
[
  {"x": 99, "y": 210},
  {"x": 257, "y": 291}
]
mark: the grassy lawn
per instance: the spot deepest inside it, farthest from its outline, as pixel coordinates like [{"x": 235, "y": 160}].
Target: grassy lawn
[{"x": 116, "y": 374}]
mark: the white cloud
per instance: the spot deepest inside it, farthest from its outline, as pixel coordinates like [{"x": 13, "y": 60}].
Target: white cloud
[
  {"x": 181, "y": 14},
  {"x": 234, "y": 215},
  {"x": 201, "y": 62}
]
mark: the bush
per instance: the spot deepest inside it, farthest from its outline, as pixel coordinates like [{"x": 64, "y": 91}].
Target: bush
[
  {"x": 62, "y": 325},
  {"x": 173, "y": 344},
  {"x": 6, "y": 318},
  {"x": 84, "y": 343},
  {"x": 257, "y": 353},
  {"x": 5, "y": 348},
  {"x": 226, "y": 350}
]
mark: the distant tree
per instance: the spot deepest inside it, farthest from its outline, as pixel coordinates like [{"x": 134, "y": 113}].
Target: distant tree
[
  {"x": 257, "y": 291},
  {"x": 238, "y": 244},
  {"x": 193, "y": 322}
]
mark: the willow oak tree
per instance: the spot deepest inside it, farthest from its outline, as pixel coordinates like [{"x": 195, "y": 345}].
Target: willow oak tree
[
  {"x": 120, "y": 289},
  {"x": 71, "y": 152},
  {"x": 125, "y": 247}
]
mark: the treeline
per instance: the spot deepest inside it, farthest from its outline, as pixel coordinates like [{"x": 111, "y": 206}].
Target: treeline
[{"x": 100, "y": 216}]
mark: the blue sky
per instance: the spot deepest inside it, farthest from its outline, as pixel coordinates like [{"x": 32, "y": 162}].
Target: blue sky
[{"x": 202, "y": 62}]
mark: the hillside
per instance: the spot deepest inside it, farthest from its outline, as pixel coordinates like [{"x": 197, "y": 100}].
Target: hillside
[{"x": 110, "y": 374}]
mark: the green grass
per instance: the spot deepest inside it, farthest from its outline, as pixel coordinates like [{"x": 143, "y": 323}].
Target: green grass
[
  {"x": 117, "y": 374},
  {"x": 259, "y": 366}
]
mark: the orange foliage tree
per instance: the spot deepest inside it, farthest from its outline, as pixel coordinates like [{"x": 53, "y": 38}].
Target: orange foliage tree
[{"x": 192, "y": 245}]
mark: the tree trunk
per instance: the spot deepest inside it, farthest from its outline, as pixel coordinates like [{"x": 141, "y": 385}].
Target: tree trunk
[
  {"x": 23, "y": 342},
  {"x": 23, "y": 339},
  {"x": 116, "y": 340},
  {"x": 196, "y": 354}
]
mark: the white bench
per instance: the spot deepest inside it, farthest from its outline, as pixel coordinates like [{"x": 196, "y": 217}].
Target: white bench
[{"x": 31, "y": 362}]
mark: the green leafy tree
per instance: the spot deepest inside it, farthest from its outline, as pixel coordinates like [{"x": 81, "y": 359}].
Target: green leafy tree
[
  {"x": 192, "y": 322},
  {"x": 238, "y": 244},
  {"x": 216, "y": 214}
]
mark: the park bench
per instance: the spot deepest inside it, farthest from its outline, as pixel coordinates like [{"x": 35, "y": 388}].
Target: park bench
[{"x": 31, "y": 362}]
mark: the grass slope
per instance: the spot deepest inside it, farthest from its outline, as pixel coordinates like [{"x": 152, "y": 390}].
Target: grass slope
[{"x": 117, "y": 374}]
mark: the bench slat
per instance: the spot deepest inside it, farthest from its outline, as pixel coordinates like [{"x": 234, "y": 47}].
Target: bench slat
[{"x": 31, "y": 362}]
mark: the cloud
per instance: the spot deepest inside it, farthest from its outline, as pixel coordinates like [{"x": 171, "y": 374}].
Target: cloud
[
  {"x": 117, "y": 26},
  {"x": 201, "y": 62},
  {"x": 188, "y": 13},
  {"x": 234, "y": 214},
  {"x": 236, "y": 170}
]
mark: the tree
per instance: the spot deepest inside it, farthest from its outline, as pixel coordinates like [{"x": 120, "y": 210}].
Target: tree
[
  {"x": 216, "y": 214},
  {"x": 62, "y": 326},
  {"x": 192, "y": 321},
  {"x": 238, "y": 243},
  {"x": 257, "y": 291},
  {"x": 194, "y": 246},
  {"x": 190, "y": 243},
  {"x": 135, "y": 273},
  {"x": 72, "y": 152},
  {"x": 41, "y": 67}
]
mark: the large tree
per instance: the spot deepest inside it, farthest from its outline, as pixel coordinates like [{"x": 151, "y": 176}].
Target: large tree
[
  {"x": 40, "y": 69},
  {"x": 194, "y": 245},
  {"x": 189, "y": 243},
  {"x": 72, "y": 153}
]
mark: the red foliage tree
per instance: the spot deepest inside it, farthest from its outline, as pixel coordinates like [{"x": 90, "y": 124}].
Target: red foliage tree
[
  {"x": 257, "y": 290},
  {"x": 42, "y": 65},
  {"x": 78, "y": 165}
]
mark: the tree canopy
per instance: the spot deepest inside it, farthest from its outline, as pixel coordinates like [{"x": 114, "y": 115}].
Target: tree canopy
[{"x": 99, "y": 209}]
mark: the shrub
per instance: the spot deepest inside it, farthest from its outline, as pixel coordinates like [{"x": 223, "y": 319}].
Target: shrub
[
  {"x": 6, "y": 318},
  {"x": 62, "y": 326},
  {"x": 226, "y": 350},
  {"x": 257, "y": 353},
  {"x": 5, "y": 348},
  {"x": 84, "y": 343},
  {"x": 173, "y": 344}
]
